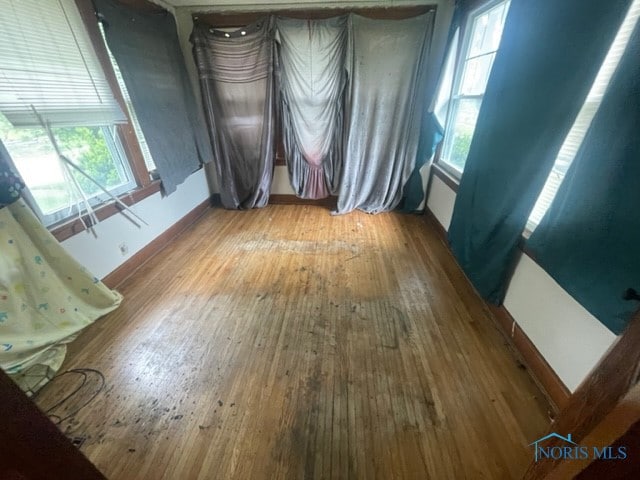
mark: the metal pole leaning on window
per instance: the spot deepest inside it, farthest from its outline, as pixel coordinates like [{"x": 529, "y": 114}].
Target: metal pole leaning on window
[
  {"x": 90, "y": 211},
  {"x": 69, "y": 163},
  {"x": 107, "y": 192},
  {"x": 69, "y": 174}
]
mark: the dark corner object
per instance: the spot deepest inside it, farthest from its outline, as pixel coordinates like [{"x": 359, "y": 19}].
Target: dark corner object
[
  {"x": 32, "y": 446},
  {"x": 631, "y": 294}
]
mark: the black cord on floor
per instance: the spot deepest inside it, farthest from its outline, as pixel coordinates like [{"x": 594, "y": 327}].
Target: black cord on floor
[{"x": 84, "y": 372}]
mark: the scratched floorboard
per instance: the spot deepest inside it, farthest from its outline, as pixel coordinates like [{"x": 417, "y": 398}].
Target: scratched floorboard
[{"x": 286, "y": 343}]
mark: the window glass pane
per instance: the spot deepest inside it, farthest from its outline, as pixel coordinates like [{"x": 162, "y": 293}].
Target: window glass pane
[
  {"x": 446, "y": 82},
  {"x": 476, "y": 75},
  {"x": 88, "y": 148},
  {"x": 94, "y": 149},
  {"x": 458, "y": 140},
  {"x": 36, "y": 162},
  {"x": 487, "y": 31},
  {"x": 481, "y": 41}
]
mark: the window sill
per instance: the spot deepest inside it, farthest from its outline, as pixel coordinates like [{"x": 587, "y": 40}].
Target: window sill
[
  {"x": 68, "y": 228},
  {"x": 443, "y": 173}
]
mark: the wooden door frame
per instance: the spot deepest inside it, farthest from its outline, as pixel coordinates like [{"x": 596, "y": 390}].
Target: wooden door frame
[
  {"x": 603, "y": 411},
  {"x": 32, "y": 446}
]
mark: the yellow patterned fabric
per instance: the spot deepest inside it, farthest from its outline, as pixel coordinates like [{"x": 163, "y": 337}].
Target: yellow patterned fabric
[{"x": 46, "y": 298}]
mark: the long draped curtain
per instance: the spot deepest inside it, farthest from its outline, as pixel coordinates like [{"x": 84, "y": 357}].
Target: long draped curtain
[
  {"x": 236, "y": 78},
  {"x": 589, "y": 238},
  {"x": 432, "y": 133},
  {"x": 548, "y": 58},
  {"x": 385, "y": 101},
  {"x": 46, "y": 297},
  {"x": 312, "y": 79},
  {"x": 148, "y": 53}
]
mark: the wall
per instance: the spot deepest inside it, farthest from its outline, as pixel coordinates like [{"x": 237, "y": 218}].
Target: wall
[
  {"x": 568, "y": 336},
  {"x": 570, "y": 339},
  {"x": 101, "y": 254},
  {"x": 186, "y": 8}
]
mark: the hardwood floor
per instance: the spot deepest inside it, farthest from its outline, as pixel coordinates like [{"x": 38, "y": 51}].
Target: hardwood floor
[{"x": 285, "y": 343}]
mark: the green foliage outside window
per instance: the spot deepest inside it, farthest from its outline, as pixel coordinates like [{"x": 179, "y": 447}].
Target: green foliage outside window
[
  {"x": 85, "y": 146},
  {"x": 91, "y": 154},
  {"x": 460, "y": 149}
]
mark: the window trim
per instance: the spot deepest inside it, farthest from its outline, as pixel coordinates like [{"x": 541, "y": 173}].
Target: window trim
[
  {"x": 125, "y": 131},
  {"x": 72, "y": 226},
  {"x": 464, "y": 35},
  {"x": 146, "y": 187}
]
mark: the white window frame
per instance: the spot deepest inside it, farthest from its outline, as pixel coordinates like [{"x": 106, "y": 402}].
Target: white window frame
[
  {"x": 463, "y": 46},
  {"x": 121, "y": 164},
  {"x": 125, "y": 143}
]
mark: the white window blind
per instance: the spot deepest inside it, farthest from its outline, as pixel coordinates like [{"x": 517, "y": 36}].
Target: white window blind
[
  {"x": 47, "y": 60},
  {"x": 583, "y": 120}
]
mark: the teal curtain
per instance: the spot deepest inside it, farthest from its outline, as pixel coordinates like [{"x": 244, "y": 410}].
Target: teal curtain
[
  {"x": 549, "y": 56},
  {"x": 431, "y": 132},
  {"x": 430, "y": 136},
  {"x": 11, "y": 184},
  {"x": 589, "y": 240}
]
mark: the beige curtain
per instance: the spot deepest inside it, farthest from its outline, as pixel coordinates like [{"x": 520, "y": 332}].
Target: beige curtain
[{"x": 46, "y": 298}]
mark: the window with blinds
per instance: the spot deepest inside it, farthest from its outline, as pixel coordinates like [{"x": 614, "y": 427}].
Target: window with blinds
[
  {"x": 47, "y": 62},
  {"x": 583, "y": 120}
]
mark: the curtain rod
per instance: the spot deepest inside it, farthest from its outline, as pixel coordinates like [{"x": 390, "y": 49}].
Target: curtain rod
[{"x": 319, "y": 13}]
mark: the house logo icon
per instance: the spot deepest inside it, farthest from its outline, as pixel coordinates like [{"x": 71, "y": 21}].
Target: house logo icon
[
  {"x": 569, "y": 445},
  {"x": 566, "y": 449}
]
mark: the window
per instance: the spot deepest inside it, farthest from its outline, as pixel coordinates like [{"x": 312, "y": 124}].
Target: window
[
  {"x": 481, "y": 39},
  {"x": 97, "y": 150},
  {"x": 62, "y": 79},
  {"x": 583, "y": 120},
  {"x": 441, "y": 104},
  {"x": 144, "y": 147}
]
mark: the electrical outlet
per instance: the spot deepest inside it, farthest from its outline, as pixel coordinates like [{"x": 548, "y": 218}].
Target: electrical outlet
[{"x": 124, "y": 249}]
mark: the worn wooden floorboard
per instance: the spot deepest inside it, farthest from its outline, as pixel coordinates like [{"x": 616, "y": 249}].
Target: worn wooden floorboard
[{"x": 288, "y": 343}]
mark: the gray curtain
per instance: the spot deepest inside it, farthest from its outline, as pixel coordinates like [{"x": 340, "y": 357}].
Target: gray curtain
[
  {"x": 147, "y": 50},
  {"x": 312, "y": 79},
  {"x": 384, "y": 109},
  {"x": 236, "y": 78}
]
